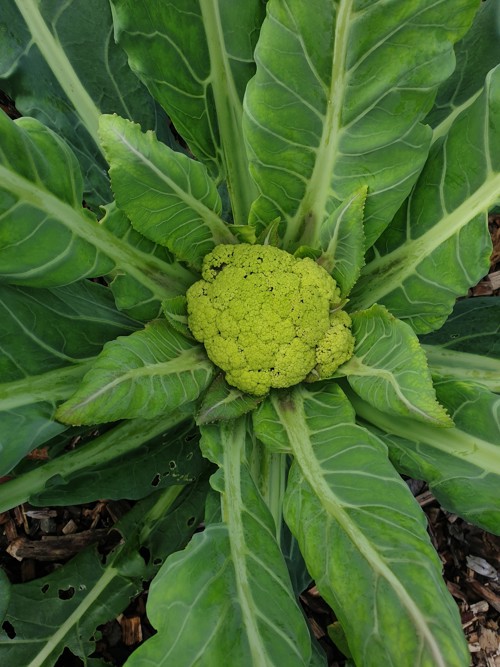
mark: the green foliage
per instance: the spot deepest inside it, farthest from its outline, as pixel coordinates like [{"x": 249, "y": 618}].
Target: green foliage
[{"x": 354, "y": 142}]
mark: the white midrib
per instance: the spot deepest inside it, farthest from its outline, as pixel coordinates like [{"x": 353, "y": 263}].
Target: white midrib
[
  {"x": 61, "y": 67},
  {"x": 456, "y": 442},
  {"x": 229, "y": 108},
  {"x": 355, "y": 367},
  {"x": 299, "y": 437},
  {"x": 100, "y": 586},
  {"x": 184, "y": 362},
  {"x": 318, "y": 190},
  {"x": 232, "y": 513},
  {"x": 410, "y": 254},
  {"x": 482, "y": 369},
  {"x": 47, "y": 387},
  {"x": 217, "y": 226}
]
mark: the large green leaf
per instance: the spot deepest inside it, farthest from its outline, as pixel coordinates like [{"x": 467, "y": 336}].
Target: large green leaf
[
  {"x": 476, "y": 54},
  {"x": 337, "y": 103},
  {"x": 115, "y": 444},
  {"x": 227, "y": 598},
  {"x": 439, "y": 244},
  {"x": 48, "y": 339},
  {"x": 343, "y": 241},
  {"x": 467, "y": 347},
  {"x": 168, "y": 197},
  {"x": 35, "y": 248},
  {"x": 64, "y": 609},
  {"x": 196, "y": 60},
  {"x": 389, "y": 368},
  {"x": 461, "y": 465},
  {"x": 60, "y": 64},
  {"x": 142, "y": 375},
  {"x": 364, "y": 538},
  {"x": 46, "y": 237},
  {"x": 222, "y": 402}
]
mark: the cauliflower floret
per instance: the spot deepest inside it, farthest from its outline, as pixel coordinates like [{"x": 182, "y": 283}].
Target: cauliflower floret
[{"x": 267, "y": 318}]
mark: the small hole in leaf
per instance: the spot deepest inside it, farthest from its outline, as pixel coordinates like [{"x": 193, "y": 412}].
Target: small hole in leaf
[
  {"x": 156, "y": 479},
  {"x": 9, "y": 629},
  {"x": 146, "y": 554},
  {"x": 68, "y": 659},
  {"x": 66, "y": 594},
  {"x": 191, "y": 520},
  {"x": 172, "y": 465},
  {"x": 45, "y": 588},
  {"x": 157, "y": 561}
]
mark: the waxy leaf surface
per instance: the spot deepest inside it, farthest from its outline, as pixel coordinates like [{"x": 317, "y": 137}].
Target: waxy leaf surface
[
  {"x": 389, "y": 368},
  {"x": 60, "y": 64},
  {"x": 352, "y": 513},
  {"x": 337, "y": 103},
  {"x": 230, "y": 583},
  {"x": 143, "y": 375},
  {"x": 462, "y": 464},
  {"x": 196, "y": 60},
  {"x": 169, "y": 197},
  {"x": 467, "y": 347},
  {"x": 438, "y": 245},
  {"x": 48, "y": 338}
]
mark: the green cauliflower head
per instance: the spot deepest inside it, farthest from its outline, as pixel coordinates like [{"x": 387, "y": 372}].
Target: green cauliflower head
[{"x": 268, "y": 319}]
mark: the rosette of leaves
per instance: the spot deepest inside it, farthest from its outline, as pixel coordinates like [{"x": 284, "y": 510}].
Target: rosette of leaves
[{"x": 361, "y": 134}]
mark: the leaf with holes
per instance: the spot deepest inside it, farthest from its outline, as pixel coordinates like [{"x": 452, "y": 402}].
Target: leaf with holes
[
  {"x": 86, "y": 592},
  {"x": 239, "y": 567}
]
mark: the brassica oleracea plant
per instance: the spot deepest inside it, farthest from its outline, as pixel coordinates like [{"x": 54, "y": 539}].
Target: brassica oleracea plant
[{"x": 254, "y": 330}]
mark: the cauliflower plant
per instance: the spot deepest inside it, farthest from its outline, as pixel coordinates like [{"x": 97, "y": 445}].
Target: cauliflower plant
[{"x": 268, "y": 319}]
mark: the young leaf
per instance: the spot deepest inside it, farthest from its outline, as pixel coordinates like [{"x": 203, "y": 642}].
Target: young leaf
[
  {"x": 332, "y": 109},
  {"x": 351, "y": 512},
  {"x": 343, "y": 241},
  {"x": 222, "y": 402},
  {"x": 197, "y": 67},
  {"x": 461, "y": 465},
  {"x": 221, "y": 584},
  {"x": 48, "y": 339},
  {"x": 175, "y": 311},
  {"x": 61, "y": 65},
  {"x": 36, "y": 247},
  {"x": 389, "y": 368},
  {"x": 168, "y": 197},
  {"x": 439, "y": 245},
  {"x": 142, "y": 375}
]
